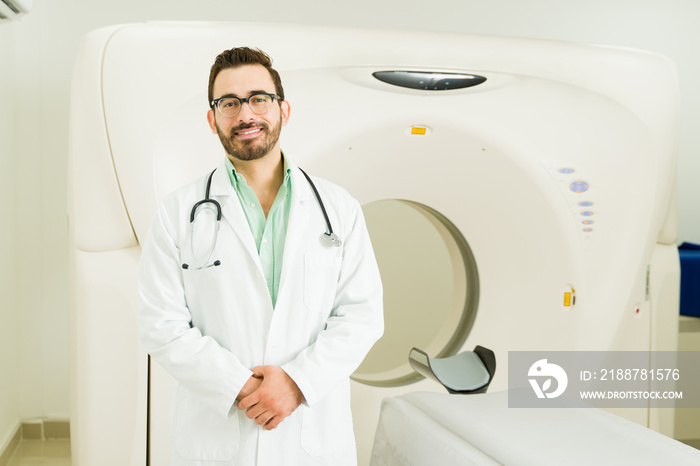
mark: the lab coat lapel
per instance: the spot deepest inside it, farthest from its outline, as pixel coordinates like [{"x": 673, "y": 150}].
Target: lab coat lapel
[
  {"x": 299, "y": 213},
  {"x": 232, "y": 212}
]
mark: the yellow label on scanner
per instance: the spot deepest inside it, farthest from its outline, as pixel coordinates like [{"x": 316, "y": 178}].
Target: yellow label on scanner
[{"x": 567, "y": 299}]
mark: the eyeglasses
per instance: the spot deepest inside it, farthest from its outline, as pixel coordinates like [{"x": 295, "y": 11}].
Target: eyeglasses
[{"x": 231, "y": 106}]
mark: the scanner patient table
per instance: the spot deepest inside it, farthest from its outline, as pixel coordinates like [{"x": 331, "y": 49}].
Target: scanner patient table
[{"x": 423, "y": 428}]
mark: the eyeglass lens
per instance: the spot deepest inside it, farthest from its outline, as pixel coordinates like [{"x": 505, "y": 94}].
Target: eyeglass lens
[{"x": 230, "y": 106}]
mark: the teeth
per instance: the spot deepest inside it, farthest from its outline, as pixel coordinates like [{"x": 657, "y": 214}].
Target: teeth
[{"x": 251, "y": 131}]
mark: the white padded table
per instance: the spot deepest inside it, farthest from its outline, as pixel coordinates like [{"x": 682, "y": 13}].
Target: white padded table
[{"x": 439, "y": 429}]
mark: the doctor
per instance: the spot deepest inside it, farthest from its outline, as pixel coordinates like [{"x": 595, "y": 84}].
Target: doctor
[{"x": 262, "y": 324}]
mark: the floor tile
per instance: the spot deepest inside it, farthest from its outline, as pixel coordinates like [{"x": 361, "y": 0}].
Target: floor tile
[{"x": 42, "y": 453}]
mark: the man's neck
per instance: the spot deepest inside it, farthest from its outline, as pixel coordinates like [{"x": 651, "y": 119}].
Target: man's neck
[
  {"x": 262, "y": 171},
  {"x": 264, "y": 175}
]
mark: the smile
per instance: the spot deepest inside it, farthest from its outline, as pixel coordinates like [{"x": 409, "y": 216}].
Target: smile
[{"x": 248, "y": 132}]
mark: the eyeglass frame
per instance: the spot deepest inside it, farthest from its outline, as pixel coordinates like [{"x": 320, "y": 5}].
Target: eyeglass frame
[{"x": 215, "y": 102}]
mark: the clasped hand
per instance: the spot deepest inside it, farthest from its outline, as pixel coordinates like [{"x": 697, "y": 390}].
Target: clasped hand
[{"x": 269, "y": 396}]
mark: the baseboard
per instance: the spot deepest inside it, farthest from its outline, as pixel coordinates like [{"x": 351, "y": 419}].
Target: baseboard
[
  {"x": 6, "y": 453},
  {"x": 42, "y": 429},
  {"x": 56, "y": 429}
]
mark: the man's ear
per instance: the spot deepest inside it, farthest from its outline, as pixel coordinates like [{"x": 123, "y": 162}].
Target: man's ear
[
  {"x": 212, "y": 121},
  {"x": 285, "y": 110}
]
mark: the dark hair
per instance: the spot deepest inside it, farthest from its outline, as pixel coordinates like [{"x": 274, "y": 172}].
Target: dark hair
[{"x": 241, "y": 56}]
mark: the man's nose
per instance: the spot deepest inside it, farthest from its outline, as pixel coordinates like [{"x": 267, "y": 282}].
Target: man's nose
[{"x": 246, "y": 113}]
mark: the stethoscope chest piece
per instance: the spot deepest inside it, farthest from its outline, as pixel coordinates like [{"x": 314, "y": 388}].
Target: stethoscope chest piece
[{"x": 333, "y": 239}]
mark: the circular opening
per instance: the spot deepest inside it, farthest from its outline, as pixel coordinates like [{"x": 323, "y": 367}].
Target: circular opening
[{"x": 431, "y": 288}]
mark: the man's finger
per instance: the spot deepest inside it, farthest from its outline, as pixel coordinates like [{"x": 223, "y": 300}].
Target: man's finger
[
  {"x": 273, "y": 423},
  {"x": 250, "y": 387},
  {"x": 255, "y": 411},
  {"x": 248, "y": 401},
  {"x": 264, "y": 418}
]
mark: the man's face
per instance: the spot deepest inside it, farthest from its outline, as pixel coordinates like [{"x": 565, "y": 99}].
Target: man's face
[{"x": 247, "y": 136}]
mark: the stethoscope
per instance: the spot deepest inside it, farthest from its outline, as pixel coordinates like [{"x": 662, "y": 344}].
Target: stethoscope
[{"x": 213, "y": 205}]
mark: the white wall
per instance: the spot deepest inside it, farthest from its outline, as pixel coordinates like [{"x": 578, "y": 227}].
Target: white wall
[
  {"x": 47, "y": 43},
  {"x": 9, "y": 313}
]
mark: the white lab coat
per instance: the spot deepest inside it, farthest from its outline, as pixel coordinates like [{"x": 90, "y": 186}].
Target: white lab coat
[{"x": 208, "y": 328}]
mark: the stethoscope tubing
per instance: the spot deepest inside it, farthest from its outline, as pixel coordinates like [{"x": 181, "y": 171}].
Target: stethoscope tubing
[{"x": 328, "y": 235}]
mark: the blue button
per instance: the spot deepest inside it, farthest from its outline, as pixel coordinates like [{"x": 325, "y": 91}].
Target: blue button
[
  {"x": 566, "y": 171},
  {"x": 587, "y": 213},
  {"x": 588, "y": 230},
  {"x": 579, "y": 186},
  {"x": 585, "y": 203},
  {"x": 588, "y": 222}
]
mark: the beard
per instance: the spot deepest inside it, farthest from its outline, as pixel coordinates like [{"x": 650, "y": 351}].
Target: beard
[{"x": 250, "y": 149}]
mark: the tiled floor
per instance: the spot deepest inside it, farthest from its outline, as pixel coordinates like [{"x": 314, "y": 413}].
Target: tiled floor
[{"x": 42, "y": 453}]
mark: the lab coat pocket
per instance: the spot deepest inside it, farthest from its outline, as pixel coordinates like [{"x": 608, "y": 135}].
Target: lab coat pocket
[
  {"x": 201, "y": 434},
  {"x": 326, "y": 427},
  {"x": 320, "y": 281}
]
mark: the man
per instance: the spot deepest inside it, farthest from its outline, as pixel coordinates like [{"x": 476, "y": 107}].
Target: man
[{"x": 262, "y": 325}]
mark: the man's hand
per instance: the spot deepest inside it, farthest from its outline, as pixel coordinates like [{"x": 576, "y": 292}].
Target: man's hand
[
  {"x": 250, "y": 386},
  {"x": 276, "y": 398}
]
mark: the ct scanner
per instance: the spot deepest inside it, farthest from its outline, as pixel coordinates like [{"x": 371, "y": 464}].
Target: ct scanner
[{"x": 533, "y": 211}]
